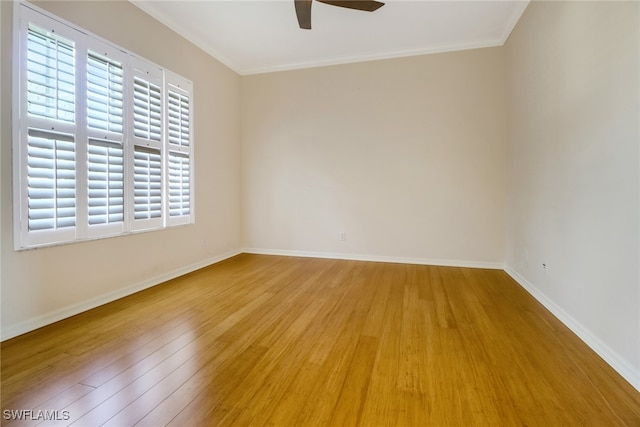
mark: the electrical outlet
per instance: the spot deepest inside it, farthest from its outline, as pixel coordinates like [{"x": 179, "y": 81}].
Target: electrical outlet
[{"x": 343, "y": 236}]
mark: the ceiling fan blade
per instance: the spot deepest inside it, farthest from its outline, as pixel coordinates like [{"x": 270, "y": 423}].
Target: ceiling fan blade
[
  {"x": 365, "y": 5},
  {"x": 303, "y": 11}
]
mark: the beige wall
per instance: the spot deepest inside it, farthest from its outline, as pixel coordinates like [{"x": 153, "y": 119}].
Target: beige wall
[
  {"x": 573, "y": 169},
  {"x": 406, "y": 156},
  {"x": 42, "y": 285}
]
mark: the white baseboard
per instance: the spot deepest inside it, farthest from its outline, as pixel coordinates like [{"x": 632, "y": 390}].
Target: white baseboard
[
  {"x": 54, "y": 316},
  {"x": 622, "y": 366},
  {"x": 375, "y": 258}
]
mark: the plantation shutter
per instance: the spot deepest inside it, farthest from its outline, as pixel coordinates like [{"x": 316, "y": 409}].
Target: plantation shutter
[
  {"x": 147, "y": 110},
  {"x": 47, "y": 209},
  {"x": 179, "y": 118},
  {"x": 106, "y": 182},
  {"x": 105, "y": 82},
  {"x": 148, "y": 153},
  {"x": 51, "y": 181},
  {"x": 103, "y": 140},
  {"x": 179, "y": 185},
  {"x": 50, "y": 76},
  {"x": 105, "y": 146},
  {"x": 179, "y": 149},
  {"x": 147, "y": 183}
]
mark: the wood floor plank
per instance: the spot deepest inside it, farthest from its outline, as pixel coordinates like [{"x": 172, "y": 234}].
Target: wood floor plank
[
  {"x": 383, "y": 404},
  {"x": 267, "y": 340},
  {"x": 348, "y": 409}
]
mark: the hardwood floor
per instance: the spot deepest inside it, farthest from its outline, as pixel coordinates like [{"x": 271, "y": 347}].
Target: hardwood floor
[{"x": 278, "y": 341}]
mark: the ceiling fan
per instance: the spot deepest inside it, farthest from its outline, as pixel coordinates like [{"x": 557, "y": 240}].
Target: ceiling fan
[{"x": 303, "y": 8}]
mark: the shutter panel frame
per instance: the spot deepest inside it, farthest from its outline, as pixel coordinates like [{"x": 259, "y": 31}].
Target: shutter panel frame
[
  {"x": 106, "y": 180},
  {"x": 57, "y": 125},
  {"x": 146, "y": 152},
  {"x": 179, "y": 159}
]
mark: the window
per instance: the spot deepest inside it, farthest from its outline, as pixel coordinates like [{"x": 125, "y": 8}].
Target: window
[{"x": 104, "y": 141}]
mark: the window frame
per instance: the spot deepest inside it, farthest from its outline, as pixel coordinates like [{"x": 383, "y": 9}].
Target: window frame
[{"x": 85, "y": 44}]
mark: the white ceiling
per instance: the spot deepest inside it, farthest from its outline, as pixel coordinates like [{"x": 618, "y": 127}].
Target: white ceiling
[{"x": 262, "y": 36}]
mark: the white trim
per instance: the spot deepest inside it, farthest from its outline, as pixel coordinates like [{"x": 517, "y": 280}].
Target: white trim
[
  {"x": 377, "y": 258},
  {"x": 215, "y": 53},
  {"x": 65, "y": 312},
  {"x": 622, "y": 366},
  {"x": 370, "y": 57},
  {"x": 513, "y": 20},
  {"x": 184, "y": 32}
]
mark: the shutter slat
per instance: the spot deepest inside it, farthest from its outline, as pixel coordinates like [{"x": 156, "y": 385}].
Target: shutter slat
[
  {"x": 105, "y": 182},
  {"x": 147, "y": 183},
  {"x": 51, "y": 181},
  {"x": 179, "y": 184},
  {"x": 147, "y": 110},
  {"x": 50, "y": 75},
  {"x": 178, "y": 117},
  {"x": 104, "y": 93}
]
